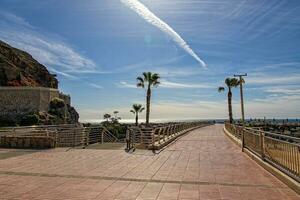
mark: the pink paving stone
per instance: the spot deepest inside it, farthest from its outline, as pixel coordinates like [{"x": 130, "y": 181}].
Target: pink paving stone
[
  {"x": 150, "y": 192},
  {"x": 230, "y": 192},
  {"x": 170, "y": 191},
  {"x": 113, "y": 190},
  {"x": 189, "y": 192},
  {"x": 131, "y": 191},
  {"x": 204, "y": 155},
  {"x": 209, "y": 192}
]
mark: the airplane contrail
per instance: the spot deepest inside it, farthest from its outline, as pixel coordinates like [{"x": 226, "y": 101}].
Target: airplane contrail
[{"x": 151, "y": 18}]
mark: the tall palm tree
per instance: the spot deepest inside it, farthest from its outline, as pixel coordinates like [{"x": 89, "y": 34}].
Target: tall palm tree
[
  {"x": 148, "y": 80},
  {"x": 230, "y": 83},
  {"x": 136, "y": 109}
]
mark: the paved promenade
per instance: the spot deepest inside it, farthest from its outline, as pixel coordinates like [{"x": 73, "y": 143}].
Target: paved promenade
[{"x": 203, "y": 164}]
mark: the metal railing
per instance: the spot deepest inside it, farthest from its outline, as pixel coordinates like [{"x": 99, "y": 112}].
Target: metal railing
[
  {"x": 157, "y": 135},
  {"x": 98, "y": 134},
  {"x": 64, "y": 135},
  {"x": 282, "y": 151}
]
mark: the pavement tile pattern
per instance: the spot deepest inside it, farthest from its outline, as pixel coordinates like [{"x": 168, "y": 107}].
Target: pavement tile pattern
[{"x": 204, "y": 164}]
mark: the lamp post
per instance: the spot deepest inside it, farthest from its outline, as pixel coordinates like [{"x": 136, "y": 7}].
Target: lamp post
[{"x": 241, "y": 80}]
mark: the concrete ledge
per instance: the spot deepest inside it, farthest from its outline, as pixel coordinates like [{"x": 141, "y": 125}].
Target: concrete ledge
[
  {"x": 290, "y": 182},
  {"x": 233, "y": 138},
  {"x": 27, "y": 88}
]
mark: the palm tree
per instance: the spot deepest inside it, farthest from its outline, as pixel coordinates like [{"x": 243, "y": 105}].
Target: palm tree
[
  {"x": 230, "y": 83},
  {"x": 152, "y": 80},
  {"x": 136, "y": 109},
  {"x": 116, "y": 114},
  {"x": 107, "y": 116}
]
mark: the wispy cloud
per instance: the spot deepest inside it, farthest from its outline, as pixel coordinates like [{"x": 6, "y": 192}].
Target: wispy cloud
[
  {"x": 69, "y": 76},
  {"x": 272, "y": 79},
  {"x": 151, "y": 18},
  {"x": 55, "y": 54},
  {"x": 174, "y": 85},
  {"x": 124, "y": 84},
  {"x": 96, "y": 86},
  {"x": 169, "y": 85},
  {"x": 283, "y": 90}
]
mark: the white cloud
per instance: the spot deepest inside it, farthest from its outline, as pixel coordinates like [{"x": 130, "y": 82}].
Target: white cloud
[
  {"x": 96, "y": 86},
  {"x": 272, "y": 79},
  {"x": 151, "y": 18},
  {"x": 124, "y": 84},
  {"x": 174, "y": 85},
  {"x": 51, "y": 52},
  {"x": 169, "y": 85},
  {"x": 69, "y": 76},
  {"x": 286, "y": 91}
]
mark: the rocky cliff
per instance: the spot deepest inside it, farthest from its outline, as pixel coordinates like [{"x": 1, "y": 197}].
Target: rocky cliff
[
  {"x": 18, "y": 68},
  {"x": 30, "y": 105}
]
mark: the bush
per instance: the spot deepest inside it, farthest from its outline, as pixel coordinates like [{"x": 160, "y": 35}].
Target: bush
[
  {"x": 117, "y": 129},
  {"x": 29, "y": 120},
  {"x": 57, "y": 103},
  {"x": 6, "y": 122}
]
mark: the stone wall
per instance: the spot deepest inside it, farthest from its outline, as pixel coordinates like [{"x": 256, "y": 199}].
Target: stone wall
[
  {"x": 25, "y": 142},
  {"x": 16, "y": 101}
]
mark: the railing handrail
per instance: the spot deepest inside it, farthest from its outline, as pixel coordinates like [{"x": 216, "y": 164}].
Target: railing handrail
[
  {"x": 273, "y": 134},
  {"x": 276, "y": 149},
  {"x": 155, "y": 135},
  {"x": 66, "y": 135}
]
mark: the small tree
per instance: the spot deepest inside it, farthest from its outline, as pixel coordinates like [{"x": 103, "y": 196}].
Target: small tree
[
  {"x": 116, "y": 114},
  {"x": 136, "y": 109},
  {"x": 106, "y": 116}
]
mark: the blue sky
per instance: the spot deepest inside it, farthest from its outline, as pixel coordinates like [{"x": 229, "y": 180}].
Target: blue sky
[{"x": 98, "y": 47}]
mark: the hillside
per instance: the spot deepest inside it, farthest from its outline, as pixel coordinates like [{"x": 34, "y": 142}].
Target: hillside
[{"x": 18, "y": 68}]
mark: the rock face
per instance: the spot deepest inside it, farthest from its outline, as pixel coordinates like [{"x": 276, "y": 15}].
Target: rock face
[
  {"x": 29, "y": 91},
  {"x": 18, "y": 68}
]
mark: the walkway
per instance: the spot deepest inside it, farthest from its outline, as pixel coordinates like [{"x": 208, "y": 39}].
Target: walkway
[{"x": 203, "y": 164}]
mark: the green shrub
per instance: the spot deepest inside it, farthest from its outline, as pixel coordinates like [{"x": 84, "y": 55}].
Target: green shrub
[
  {"x": 6, "y": 122},
  {"x": 29, "y": 120},
  {"x": 117, "y": 129},
  {"x": 56, "y": 103}
]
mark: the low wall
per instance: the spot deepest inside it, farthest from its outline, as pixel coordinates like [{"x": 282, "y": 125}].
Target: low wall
[
  {"x": 27, "y": 142},
  {"x": 17, "y": 101}
]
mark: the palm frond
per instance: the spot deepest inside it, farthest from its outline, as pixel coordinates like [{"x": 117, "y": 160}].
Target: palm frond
[
  {"x": 242, "y": 80},
  {"x": 132, "y": 111},
  {"x": 221, "y": 89},
  {"x": 139, "y": 78},
  {"x": 234, "y": 82},
  {"x": 146, "y": 76},
  {"x": 141, "y": 110},
  {"x": 140, "y": 82},
  {"x": 137, "y": 108},
  {"x": 140, "y": 85},
  {"x": 231, "y": 82},
  {"x": 155, "y": 76},
  {"x": 155, "y": 83}
]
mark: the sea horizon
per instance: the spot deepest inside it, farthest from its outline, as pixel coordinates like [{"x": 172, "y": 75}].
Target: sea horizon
[{"x": 95, "y": 121}]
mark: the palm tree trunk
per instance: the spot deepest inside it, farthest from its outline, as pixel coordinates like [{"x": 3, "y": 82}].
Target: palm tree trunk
[
  {"x": 136, "y": 119},
  {"x": 230, "y": 106},
  {"x": 148, "y": 104}
]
